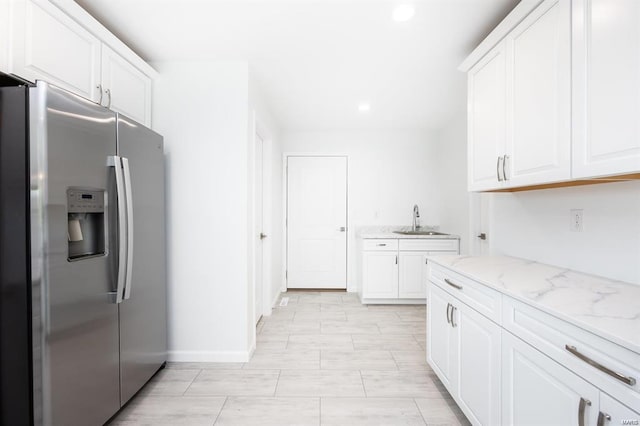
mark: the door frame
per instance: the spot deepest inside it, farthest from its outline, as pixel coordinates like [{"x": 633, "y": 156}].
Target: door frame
[
  {"x": 267, "y": 196},
  {"x": 285, "y": 211}
]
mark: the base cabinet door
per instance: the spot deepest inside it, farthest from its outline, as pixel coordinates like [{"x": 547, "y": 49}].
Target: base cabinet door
[
  {"x": 478, "y": 364},
  {"x": 441, "y": 337},
  {"x": 380, "y": 274},
  {"x": 48, "y": 45},
  {"x": 614, "y": 413},
  {"x": 538, "y": 391},
  {"x": 606, "y": 77},
  {"x": 413, "y": 275},
  {"x": 127, "y": 89}
]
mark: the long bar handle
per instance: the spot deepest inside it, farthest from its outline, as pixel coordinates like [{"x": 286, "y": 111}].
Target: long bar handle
[
  {"x": 498, "y": 169},
  {"x": 624, "y": 379},
  {"x": 581, "y": 409},
  {"x": 602, "y": 417},
  {"x": 127, "y": 185},
  {"x": 448, "y": 307},
  {"x": 108, "y": 92},
  {"x": 452, "y": 284},
  {"x": 116, "y": 163}
]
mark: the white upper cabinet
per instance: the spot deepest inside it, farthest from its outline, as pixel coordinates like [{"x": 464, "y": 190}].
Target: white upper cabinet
[
  {"x": 486, "y": 120},
  {"x": 127, "y": 89},
  {"x": 538, "y": 142},
  {"x": 570, "y": 84},
  {"x": 48, "y": 45},
  {"x": 4, "y": 36},
  {"x": 606, "y": 86}
]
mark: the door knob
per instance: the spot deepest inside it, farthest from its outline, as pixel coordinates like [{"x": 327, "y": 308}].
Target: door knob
[
  {"x": 482, "y": 236},
  {"x": 263, "y": 236}
]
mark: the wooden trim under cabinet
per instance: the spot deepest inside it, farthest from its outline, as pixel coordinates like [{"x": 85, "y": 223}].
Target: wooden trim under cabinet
[{"x": 570, "y": 183}]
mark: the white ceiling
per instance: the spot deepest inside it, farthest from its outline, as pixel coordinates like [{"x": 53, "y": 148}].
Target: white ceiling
[{"x": 316, "y": 60}]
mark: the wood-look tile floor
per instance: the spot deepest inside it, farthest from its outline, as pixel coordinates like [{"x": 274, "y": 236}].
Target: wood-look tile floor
[{"x": 324, "y": 359}]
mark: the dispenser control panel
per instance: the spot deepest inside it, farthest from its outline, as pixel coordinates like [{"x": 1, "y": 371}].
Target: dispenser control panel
[{"x": 85, "y": 201}]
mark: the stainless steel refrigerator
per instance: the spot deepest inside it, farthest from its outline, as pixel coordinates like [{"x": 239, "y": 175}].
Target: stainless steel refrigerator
[{"x": 97, "y": 285}]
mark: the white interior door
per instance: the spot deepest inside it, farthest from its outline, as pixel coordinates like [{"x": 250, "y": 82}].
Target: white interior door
[
  {"x": 316, "y": 222},
  {"x": 259, "y": 228}
]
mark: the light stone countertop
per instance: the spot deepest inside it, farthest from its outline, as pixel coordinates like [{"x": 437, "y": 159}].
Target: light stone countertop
[
  {"x": 387, "y": 232},
  {"x": 605, "y": 307}
]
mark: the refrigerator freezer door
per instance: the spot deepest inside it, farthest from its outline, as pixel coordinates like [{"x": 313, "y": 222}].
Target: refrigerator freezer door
[
  {"x": 75, "y": 323},
  {"x": 143, "y": 315}
]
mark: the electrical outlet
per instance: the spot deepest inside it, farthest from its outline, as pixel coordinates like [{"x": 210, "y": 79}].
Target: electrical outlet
[{"x": 576, "y": 217}]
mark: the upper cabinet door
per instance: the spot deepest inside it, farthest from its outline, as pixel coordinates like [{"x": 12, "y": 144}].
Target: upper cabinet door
[
  {"x": 538, "y": 81},
  {"x": 48, "y": 45},
  {"x": 606, "y": 78},
  {"x": 127, "y": 89},
  {"x": 486, "y": 121},
  {"x": 4, "y": 36}
]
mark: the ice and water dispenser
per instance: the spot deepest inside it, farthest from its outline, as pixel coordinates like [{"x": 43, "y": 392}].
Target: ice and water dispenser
[{"x": 86, "y": 223}]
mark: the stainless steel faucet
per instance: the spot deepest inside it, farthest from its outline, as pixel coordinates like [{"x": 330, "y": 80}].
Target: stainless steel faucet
[{"x": 416, "y": 218}]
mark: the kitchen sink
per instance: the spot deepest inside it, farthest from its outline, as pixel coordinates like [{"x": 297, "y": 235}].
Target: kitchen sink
[{"x": 419, "y": 233}]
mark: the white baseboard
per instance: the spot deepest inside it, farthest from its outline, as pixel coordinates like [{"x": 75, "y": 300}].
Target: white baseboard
[
  {"x": 210, "y": 356},
  {"x": 275, "y": 299}
]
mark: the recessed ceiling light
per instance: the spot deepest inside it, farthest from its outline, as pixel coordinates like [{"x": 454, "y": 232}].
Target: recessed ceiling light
[
  {"x": 364, "y": 107},
  {"x": 403, "y": 12}
]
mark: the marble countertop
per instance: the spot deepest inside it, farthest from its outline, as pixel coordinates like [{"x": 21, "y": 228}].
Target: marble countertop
[
  {"x": 608, "y": 308},
  {"x": 387, "y": 232}
]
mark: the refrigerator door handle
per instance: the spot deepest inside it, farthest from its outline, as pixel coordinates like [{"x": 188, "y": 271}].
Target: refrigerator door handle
[
  {"x": 116, "y": 163},
  {"x": 127, "y": 185}
]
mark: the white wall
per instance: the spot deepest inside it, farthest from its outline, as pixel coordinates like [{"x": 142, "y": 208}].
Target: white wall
[
  {"x": 263, "y": 122},
  {"x": 389, "y": 172},
  {"x": 451, "y": 178},
  {"x": 535, "y": 225},
  {"x": 205, "y": 133}
]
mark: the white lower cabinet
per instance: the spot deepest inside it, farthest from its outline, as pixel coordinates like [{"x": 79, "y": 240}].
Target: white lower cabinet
[
  {"x": 463, "y": 348},
  {"x": 413, "y": 274},
  {"x": 380, "y": 272},
  {"x": 614, "y": 413},
  {"x": 441, "y": 337},
  {"x": 393, "y": 270},
  {"x": 515, "y": 369},
  {"x": 539, "y": 391}
]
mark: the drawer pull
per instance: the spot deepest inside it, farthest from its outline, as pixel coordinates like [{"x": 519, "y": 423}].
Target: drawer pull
[
  {"x": 381, "y": 245},
  {"x": 581, "y": 408},
  {"x": 454, "y": 285},
  {"x": 602, "y": 417},
  {"x": 624, "y": 379}
]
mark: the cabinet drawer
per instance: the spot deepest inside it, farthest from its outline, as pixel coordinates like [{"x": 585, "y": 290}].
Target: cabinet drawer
[
  {"x": 576, "y": 349},
  {"x": 478, "y": 296},
  {"x": 380, "y": 245},
  {"x": 429, "y": 245}
]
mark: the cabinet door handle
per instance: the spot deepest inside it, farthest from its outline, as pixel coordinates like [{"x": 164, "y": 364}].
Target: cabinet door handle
[
  {"x": 396, "y": 259},
  {"x": 602, "y": 417},
  {"x": 452, "y": 284},
  {"x": 108, "y": 91},
  {"x": 498, "y": 169},
  {"x": 624, "y": 379},
  {"x": 448, "y": 307},
  {"x": 581, "y": 409},
  {"x": 453, "y": 310},
  {"x": 99, "y": 87},
  {"x": 504, "y": 168}
]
